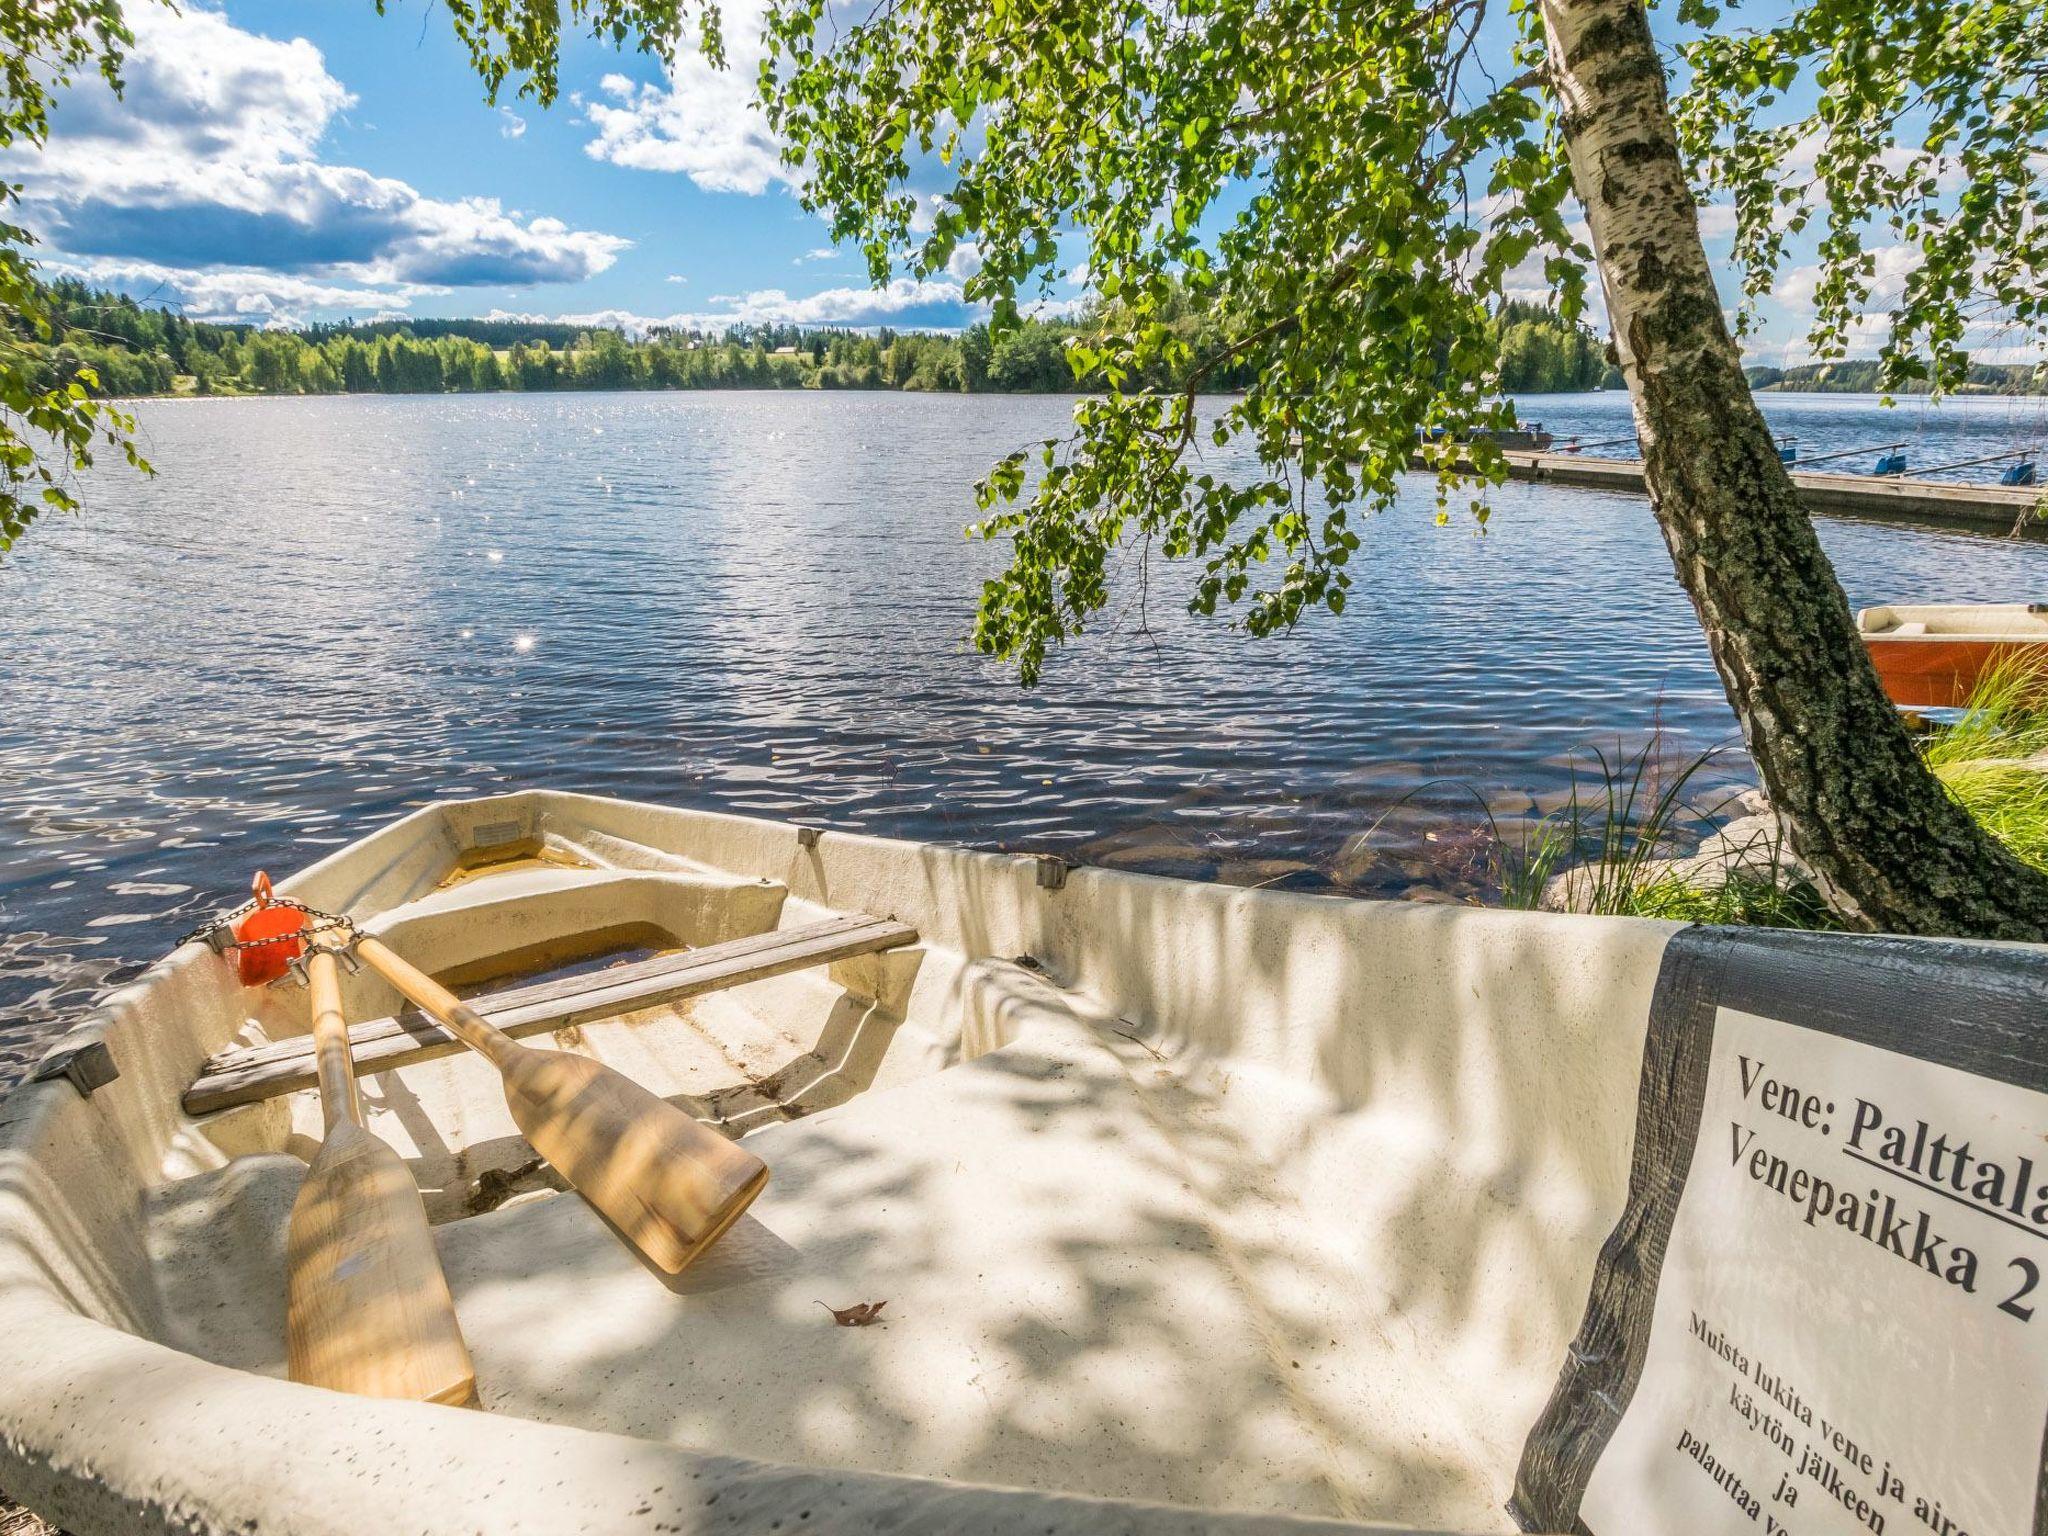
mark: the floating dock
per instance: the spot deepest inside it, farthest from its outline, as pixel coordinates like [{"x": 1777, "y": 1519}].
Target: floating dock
[{"x": 1865, "y": 495}]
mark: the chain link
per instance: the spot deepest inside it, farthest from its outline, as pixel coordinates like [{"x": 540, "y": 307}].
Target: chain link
[{"x": 217, "y": 931}]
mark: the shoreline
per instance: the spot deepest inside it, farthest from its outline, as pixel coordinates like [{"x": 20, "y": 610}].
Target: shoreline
[{"x": 811, "y": 387}]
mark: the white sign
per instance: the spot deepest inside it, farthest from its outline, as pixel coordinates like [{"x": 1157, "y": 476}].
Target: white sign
[{"x": 1850, "y": 1331}]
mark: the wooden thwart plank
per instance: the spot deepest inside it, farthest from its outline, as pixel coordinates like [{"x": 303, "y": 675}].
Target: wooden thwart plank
[{"x": 248, "y": 1074}]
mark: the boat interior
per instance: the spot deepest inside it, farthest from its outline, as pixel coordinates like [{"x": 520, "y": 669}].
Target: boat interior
[
  {"x": 1243, "y": 1200},
  {"x": 2021, "y": 621}
]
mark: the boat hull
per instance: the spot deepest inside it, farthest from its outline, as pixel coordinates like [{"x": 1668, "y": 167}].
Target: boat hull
[
  {"x": 1932, "y": 655},
  {"x": 1940, "y": 672},
  {"x": 1120, "y": 1197}
]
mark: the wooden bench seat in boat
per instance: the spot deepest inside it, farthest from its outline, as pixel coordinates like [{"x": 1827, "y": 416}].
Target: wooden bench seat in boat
[{"x": 248, "y": 1074}]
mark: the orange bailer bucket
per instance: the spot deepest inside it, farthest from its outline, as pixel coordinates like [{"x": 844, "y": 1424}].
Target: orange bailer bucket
[{"x": 266, "y": 962}]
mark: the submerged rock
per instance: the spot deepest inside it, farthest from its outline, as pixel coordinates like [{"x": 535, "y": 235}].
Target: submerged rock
[
  {"x": 1750, "y": 846},
  {"x": 1179, "y": 861},
  {"x": 1275, "y": 874}
]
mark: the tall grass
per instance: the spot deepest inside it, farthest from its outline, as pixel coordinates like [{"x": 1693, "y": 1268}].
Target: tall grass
[
  {"x": 2004, "y": 718},
  {"x": 1778, "y": 900},
  {"x": 1615, "y": 837},
  {"x": 1994, "y": 759},
  {"x": 2009, "y": 802}
]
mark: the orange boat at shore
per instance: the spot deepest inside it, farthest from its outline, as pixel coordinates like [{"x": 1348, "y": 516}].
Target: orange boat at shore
[{"x": 1930, "y": 655}]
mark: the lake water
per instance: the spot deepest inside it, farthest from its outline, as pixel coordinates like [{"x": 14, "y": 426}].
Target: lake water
[{"x": 322, "y": 612}]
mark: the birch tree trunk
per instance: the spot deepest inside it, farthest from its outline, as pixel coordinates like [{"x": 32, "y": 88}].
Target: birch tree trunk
[{"x": 1853, "y": 797}]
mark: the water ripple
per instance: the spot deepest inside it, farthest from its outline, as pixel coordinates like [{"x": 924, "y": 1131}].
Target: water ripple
[{"x": 322, "y": 613}]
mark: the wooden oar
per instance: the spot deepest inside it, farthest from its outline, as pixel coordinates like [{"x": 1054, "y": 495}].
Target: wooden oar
[
  {"x": 668, "y": 1184},
  {"x": 367, "y": 1308}
]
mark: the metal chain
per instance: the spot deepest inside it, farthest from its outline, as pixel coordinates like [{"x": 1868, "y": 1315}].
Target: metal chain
[{"x": 218, "y": 932}]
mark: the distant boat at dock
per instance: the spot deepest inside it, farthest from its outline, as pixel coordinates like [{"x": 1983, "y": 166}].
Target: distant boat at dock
[
  {"x": 1529, "y": 438},
  {"x": 2005, "y": 505},
  {"x": 1886, "y": 459}
]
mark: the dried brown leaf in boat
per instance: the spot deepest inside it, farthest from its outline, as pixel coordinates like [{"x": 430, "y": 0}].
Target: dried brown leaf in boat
[{"x": 859, "y": 1315}]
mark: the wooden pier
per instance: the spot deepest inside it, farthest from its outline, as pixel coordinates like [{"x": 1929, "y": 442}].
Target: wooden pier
[{"x": 1881, "y": 495}]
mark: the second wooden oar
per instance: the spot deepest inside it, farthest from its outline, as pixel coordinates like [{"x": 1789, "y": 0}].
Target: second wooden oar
[
  {"x": 367, "y": 1307},
  {"x": 668, "y": 1184}
]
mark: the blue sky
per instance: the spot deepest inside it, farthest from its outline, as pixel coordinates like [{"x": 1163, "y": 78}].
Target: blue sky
[
  {"x": 297, "y": 160},
  {"x": 291, "y": 161}
]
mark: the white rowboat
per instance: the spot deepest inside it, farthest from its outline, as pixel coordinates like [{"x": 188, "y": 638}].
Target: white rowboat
[{"x": 1191, "y": 1207}]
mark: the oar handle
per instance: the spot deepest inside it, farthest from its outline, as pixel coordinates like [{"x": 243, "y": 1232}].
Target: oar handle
[
  {"x": 367, "y": 1307},
  {"x": 331, "y": 1060},
  {"x": 436, "y": 1001}
]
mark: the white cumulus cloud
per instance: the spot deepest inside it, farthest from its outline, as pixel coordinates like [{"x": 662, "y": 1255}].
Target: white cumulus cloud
[
  {"x": 904, "y": 303},
  {"x": 210, "y": 164},
  {"x": 701, "y": 121},
  {"x": 905, "y": 297},
  {"x": 233, "y": 295}
]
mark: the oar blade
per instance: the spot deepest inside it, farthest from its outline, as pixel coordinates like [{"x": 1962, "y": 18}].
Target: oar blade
[
  {"x": 670, "y": 1185},
  {"x": 367, "y": 1307}
]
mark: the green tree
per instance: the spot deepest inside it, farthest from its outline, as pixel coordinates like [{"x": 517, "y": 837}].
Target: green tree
[
  {"x": 210, "y": 375},
  {"x": 48, "y": 430},
  {"x": 1346, "y": 193},
  {"x": 975, "y": 355},
  {"x": 274, "y": 363},
  {"x": 317, "y": 374},
  {"x": 605, "y": 361},
  {"x": 358, "y": 366},
  {"x": 1030, "y": 357},
  {"x": 938, "y": 368},
  {"x": 1540, "y": 351},
  {"x": 418, "y": 366},
  {"x": 535, "y": 367},
  {"x": 901, "y": 366}
]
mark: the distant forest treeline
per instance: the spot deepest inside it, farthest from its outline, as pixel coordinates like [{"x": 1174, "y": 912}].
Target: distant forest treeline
[
  {"x": 1540, "y": 354},
  {"x": 1860, "y": 378},
  {"x": 134, "y": 350}
]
